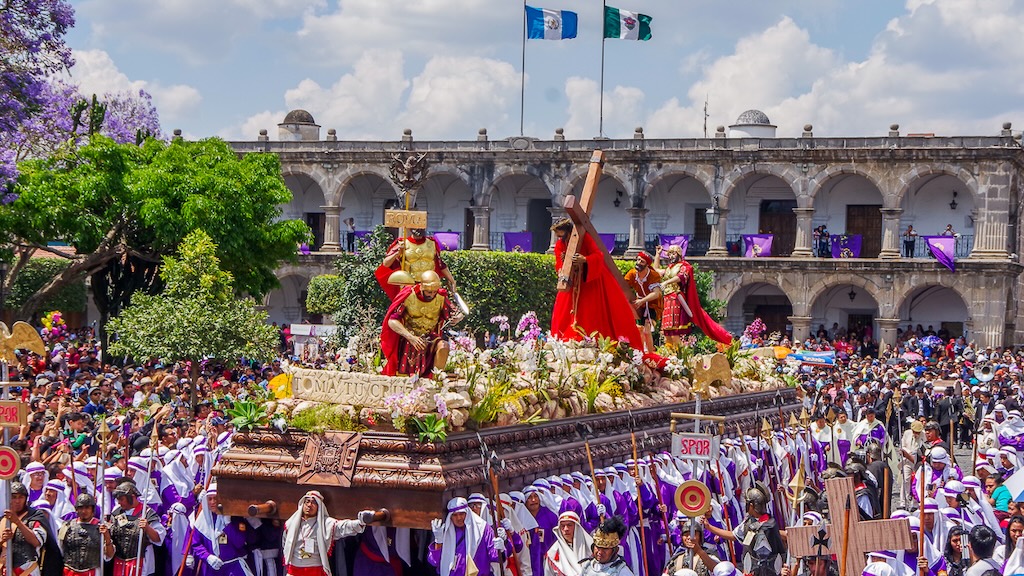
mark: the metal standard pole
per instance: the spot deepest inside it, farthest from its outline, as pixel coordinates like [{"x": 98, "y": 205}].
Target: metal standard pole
[
  {"x": 600, "y": 114},
  {"x": 522, "y": 78}
]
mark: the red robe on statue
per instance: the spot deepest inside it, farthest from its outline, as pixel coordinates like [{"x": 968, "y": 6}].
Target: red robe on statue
[
  {"x": 601, "y": 305},
  {"x": 702, "y": 319},
  {"x": 400, "y": 356}
]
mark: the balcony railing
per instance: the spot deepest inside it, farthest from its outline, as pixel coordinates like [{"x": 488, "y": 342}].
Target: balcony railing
[{"x": 734, "y": 245}]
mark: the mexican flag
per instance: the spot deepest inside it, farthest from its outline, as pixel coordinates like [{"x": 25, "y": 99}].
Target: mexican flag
[{"x": 626, "y": 25}]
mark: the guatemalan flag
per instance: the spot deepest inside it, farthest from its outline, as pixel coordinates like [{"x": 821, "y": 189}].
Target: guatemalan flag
[{"x": 546, "y": 24}]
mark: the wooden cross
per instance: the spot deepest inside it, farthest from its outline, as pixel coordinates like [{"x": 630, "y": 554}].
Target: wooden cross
[
  {"x": 580, "y": 216},
  {"x": 864, "y": 536}
]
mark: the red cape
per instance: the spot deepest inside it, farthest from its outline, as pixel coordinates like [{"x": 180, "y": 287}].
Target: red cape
[
  {"x": 701, "y": 318},
  {"x": 602, "y": 306},
  {"x": 383, "y": 272},
  {"x": 389, "y": 339}
]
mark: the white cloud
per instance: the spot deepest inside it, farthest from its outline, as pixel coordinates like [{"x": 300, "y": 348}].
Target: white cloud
[
  {"x": 449, "y": 98},
  {"x": 198, "y": 31},
  {"x": 942, "y": 67},
  {"x": 454, "y": 96},
  {"x": 96, "y": 73},
  {"x": 250, "y": 129},
  {"x": 622, "y": 106},
  {"x": 360, "y": 104},
  {"x": 434, "y": 27}
]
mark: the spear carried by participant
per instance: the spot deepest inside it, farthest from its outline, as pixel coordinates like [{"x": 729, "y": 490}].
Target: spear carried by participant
[{"x": 639, "y": 496}]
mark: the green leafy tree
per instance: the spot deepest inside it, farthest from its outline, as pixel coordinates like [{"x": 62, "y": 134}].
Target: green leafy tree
[
  {"x": 36, "y": 274},
  {"x": 196, "y": 316},
  {"x": 122, "y": 207}
]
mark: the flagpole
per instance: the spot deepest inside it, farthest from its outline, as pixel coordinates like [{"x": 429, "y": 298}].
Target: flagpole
[
  {"x": 522, "y": 79},
  {"x": 600, "y": 113}
]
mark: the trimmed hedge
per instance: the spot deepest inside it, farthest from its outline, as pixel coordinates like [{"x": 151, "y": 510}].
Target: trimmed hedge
[{"x": 492, "y": 284}]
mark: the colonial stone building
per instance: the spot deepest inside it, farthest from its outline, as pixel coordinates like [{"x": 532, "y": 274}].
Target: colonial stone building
[{"x": 871, "y": 188}]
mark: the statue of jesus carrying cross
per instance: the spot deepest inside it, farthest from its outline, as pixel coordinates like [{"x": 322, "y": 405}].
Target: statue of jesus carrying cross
[{"x": 592, "y": 292}]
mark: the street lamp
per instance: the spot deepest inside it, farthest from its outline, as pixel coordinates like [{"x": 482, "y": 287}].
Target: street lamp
[{"x": 713, "y": 214}]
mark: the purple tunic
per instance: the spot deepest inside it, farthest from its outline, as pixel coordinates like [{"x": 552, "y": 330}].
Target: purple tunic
[
  {"x": 484, "y": 555},
  {"x": 541, "y": 538},
  {"x": 370, "y": 560},
  {"x": 236, "y": 542}
]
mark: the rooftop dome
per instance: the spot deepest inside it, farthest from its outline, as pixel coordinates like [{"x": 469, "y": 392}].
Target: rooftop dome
[
  {"x": 299, "y": 117},
  {"x": 753, "y": 117}
]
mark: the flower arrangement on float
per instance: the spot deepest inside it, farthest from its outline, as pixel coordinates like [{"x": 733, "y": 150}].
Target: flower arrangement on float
[{"x": 529, "y": 376}]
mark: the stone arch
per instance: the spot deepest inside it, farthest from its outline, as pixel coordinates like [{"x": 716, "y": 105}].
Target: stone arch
[
  {"x": 822, "y": 286},
  {"x": 286, "y": 303},
  {"x": 608, "y": 212},
  {"x": 918, "y": 171},
  {"x": 819, "y": 179},
  {"x": 445, "y": 195},
  {"x": 754, "y": 279},
  {"x": 933, "y": 302},
  {"x": 315, "y": 173},
  {"x": 703, "y": 174},
  {"x": 346, "y": 178},
  {"x": 438, "y": 169},
  {"x": 520, "y": 200},
  {"x": 787, "y": 174},
  {"x": 578, "y": 175},
  {"x": 764, "y": 297},
  {"x": 506, "y": 172},
  {"x": 829, "y": 305},
  {"x": 674, "y": 197},
  {"x": 363, "y": 194}
]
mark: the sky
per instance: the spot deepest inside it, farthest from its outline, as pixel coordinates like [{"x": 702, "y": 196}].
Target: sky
[{"x": 446, "y": 68}]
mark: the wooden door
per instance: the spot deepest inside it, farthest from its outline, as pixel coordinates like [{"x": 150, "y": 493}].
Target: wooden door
[
  {"x": 777, "y": 218},
  {"x": 774, "y": 316},
  {"x": 701, "y": 240},
  {"x": 469, "y": 229},
  {"x": 866, "y": 220},
  {"x": 538, "y": 222},
  {"x": 316, "y": 221}
]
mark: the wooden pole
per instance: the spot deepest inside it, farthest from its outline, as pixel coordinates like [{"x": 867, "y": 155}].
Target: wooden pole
[
  {"x": 887, "y": 495},
  {"x": 498, "y": 514},
  {"x": 920, "y": 535},
  {"x": 725, "y": 514},
  {"x": 952, "y": 453},
  {"x": 846, "y": 538},
  {"x": 639, "y": 504},
  {"x": 657, "y": 494},
  {"x": 593, "y": 476}
]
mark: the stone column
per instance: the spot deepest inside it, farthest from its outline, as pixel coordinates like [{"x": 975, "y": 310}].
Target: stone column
[
  {"x": 890, "y": 236},
  {"x": 804, "y": 237},
  {"x": 557, "y": 213},
  {"x": 887, "y": 331},
  {"x": 990, "y": 235},
  {"x": 717, "y": 247},
  {"x": 332, "y": 229},
  {"x": 801, "y": 327},
  {"x": 481, "y": 228},
  {"x": 637, "y": 219}
]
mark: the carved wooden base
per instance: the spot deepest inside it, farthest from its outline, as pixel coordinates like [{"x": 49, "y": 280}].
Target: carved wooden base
[{"x": 414, "y": 481}]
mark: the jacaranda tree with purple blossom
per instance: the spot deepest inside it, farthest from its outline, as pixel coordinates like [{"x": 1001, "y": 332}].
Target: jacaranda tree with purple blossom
[{"x": 32, "y": 50}]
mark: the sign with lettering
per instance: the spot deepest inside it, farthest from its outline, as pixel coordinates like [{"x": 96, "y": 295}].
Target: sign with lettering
[
  {"x": 405, "y": 219},
  {"x": 694, "y": 446},
  {"x": 352, "y": 388},
  {"x": 13, "y": 413}
]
